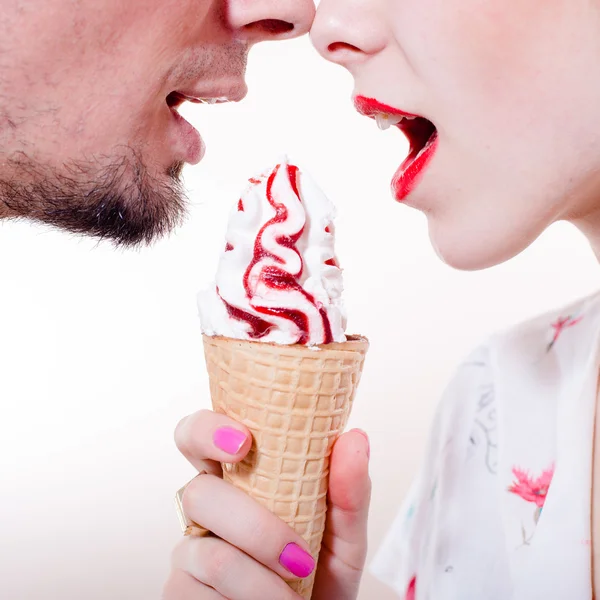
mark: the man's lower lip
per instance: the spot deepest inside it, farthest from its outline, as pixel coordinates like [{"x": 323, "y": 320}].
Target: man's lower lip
[
  {"x": 189, "y": 140},
  {"x": 410, "y": 173}
]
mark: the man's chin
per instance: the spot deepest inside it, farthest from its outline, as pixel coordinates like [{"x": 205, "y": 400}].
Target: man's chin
[{"x": 119, "y": 201}]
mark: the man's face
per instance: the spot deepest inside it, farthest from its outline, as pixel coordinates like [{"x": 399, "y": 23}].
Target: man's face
[{"x": 90, "y": 139}]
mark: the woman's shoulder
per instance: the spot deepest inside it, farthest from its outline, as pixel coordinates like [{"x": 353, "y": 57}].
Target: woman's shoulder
[
  {"x": 525, "y": 353},
  {"x": 543, "y": 332}
]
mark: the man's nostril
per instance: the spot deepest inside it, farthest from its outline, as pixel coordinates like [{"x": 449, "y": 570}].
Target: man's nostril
[
  {"x": 339, "y": 46},
  {"x": 270, "y": 27}
]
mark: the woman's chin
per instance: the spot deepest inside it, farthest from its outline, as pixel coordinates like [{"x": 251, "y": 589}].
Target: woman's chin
[{"x": 472, "y": 248}]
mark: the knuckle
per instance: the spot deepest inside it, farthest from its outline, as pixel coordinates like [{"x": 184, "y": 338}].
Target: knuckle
[
  {"x": 267, "y": 530},
  {"x": 196, "y": 490},
  {"x": 172, "y": 585},
  {"x": 181, "y": 433},
  {"x": 177, "y": 553},
  {"x": 187, "y": 554},
  {"x": 217, "y": 562},
  {"x": 189, "y": 432}
]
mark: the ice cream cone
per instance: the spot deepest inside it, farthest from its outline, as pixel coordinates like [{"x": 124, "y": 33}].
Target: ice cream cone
[{"x": 296, "y": 401}]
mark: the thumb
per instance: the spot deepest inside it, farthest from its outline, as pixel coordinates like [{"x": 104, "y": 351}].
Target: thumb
[{"x": 344, "y": 548}]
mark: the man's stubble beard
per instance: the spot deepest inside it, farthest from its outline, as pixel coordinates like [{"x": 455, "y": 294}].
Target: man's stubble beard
[
  {"x": 114, "y": 197},
  {"x": 117, "y": 199}
]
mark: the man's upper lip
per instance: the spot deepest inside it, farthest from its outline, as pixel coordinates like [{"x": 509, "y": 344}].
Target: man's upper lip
[{"x": 371, "y": 108}]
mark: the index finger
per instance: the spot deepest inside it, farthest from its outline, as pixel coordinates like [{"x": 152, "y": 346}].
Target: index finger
[{"x": 211, "y": 436}]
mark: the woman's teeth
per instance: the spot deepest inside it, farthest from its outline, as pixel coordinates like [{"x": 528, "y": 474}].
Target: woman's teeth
[{"x": 385, "y": 121}]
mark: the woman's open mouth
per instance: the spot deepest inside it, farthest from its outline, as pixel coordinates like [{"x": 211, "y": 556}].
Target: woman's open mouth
[{"x": 421, "y": 135}]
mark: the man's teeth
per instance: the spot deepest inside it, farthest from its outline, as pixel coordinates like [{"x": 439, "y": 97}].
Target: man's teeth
[
  {"x": 212, "y": 100},
  {"x": 385, "y": 121}
]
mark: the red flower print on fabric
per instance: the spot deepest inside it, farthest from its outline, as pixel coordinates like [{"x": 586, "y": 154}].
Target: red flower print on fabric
[
  {"x": 560, "y": 325},
  {"x": 411, "y": 592},
  {"x": 532, "y": 489}
]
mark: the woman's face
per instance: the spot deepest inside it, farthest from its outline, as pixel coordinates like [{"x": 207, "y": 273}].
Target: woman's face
[{"x": 513, "y": 90}]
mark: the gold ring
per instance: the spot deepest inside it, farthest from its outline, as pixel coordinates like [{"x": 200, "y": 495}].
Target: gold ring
[{"x": 187, "y": 525}]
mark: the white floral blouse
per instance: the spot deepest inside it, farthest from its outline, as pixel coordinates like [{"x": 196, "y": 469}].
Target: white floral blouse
[{"x": 502, "y": 507}]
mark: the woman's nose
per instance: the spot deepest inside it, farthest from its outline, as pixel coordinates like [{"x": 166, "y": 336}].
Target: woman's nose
[
  {"x": 348, "y": 31},
  {"x": 264, "y": 20}
]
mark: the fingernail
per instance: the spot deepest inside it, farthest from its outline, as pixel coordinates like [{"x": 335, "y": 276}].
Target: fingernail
[
  {"x": 229, "y": 440},
  {"x": 364, "y": 434},
  {"x": 297, "y": 561}
]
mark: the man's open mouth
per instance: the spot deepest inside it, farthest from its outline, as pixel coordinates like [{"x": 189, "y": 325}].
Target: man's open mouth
[
  {"x": 187, "y": 139},
  {"x": 176, "y": 99}
]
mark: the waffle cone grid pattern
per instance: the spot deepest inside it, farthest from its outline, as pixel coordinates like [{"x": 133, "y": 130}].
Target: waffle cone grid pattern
[{"x": 296, "y": 402}]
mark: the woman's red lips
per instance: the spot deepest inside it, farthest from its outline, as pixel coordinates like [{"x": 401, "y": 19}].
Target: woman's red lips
[
  {"x": 413, "y": 168},
  {"x": 421, "y": 134},
  {"x": 369, "y": 107}
]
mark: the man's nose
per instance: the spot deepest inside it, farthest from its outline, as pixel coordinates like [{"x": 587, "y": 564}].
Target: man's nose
[
  {"x": 264, "y": 20},
  {"x": 348, "y": 31}
]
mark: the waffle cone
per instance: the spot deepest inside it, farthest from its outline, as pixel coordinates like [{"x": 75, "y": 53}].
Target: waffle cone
[{"x": 296, "y": 401}]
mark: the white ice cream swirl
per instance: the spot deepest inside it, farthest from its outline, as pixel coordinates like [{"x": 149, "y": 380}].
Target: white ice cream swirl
[{"x": 278, "y": 279}]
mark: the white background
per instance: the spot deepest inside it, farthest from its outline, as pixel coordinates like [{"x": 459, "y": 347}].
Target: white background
[{"x": 100, "y": 350}]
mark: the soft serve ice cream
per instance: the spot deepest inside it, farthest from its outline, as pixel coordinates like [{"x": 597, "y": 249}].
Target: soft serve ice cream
[
  {"x": 278, "y": 278},
  {"x": 279, "y": 281}
]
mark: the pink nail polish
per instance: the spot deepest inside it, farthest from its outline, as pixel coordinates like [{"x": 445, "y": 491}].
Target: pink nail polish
[
  {"x": 229, "y": 440},
  {"x": 297, "y": 561},
  {"x": 366, "y": 438}
]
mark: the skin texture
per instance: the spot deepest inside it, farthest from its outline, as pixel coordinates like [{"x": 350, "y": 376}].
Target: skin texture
[
  {"x": 509, "y": 87},
  {"x": 87, "y": 140}
]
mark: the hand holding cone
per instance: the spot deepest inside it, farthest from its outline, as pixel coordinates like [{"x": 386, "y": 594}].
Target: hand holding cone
[{"x": 296, "y": 401}]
